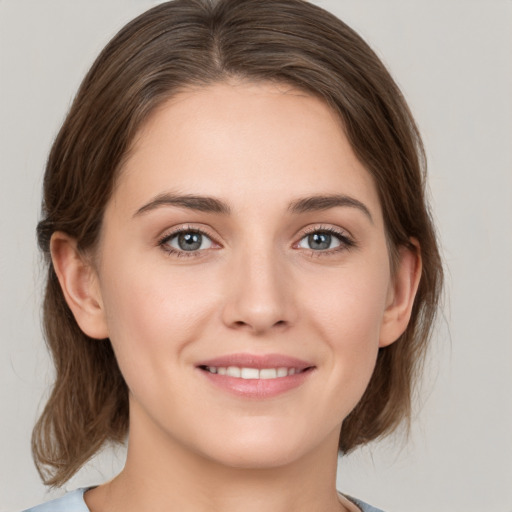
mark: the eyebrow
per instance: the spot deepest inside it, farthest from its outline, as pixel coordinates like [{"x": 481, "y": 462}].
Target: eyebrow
[
  {"x": 192, "y": 202},
  {"x": 325, "y": 202},
  {"x": 213, "y": 205}
]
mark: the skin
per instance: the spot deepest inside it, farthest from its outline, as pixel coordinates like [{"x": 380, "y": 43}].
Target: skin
[{"x": 255, "y": 286}]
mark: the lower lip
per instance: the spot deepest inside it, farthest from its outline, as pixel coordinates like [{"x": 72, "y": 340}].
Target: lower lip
[{"x": 257, "y": 388}]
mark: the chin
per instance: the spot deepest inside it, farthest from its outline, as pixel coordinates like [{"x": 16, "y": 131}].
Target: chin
[
  {"x": 260, "y": 449},
  {"x": 257, "y": 458}
]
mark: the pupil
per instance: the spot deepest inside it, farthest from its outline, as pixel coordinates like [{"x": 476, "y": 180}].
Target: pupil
[
  {"x": 189, "y": 241},
  {"x": 319, "y": 241}
]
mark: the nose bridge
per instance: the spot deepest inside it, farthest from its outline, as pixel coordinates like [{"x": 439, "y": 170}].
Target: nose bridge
[{"x": 259, "y": 295}]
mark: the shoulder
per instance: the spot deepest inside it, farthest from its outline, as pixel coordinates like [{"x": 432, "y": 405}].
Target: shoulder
[
  {"x": 74, "y": 502},
  {"x": 362, "y": 505},
  {"x": 70, "y": 502}
]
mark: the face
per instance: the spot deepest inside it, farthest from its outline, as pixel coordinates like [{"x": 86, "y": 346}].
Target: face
[{"x": 243, "y": 275}]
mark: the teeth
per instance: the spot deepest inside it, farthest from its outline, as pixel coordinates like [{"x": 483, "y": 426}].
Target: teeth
[
  {"x": 252, "y": 373},
  {"x": 282, "y": 372},
  {"x": 233, "y": 371},
  {"x": 268, "y": 373}
]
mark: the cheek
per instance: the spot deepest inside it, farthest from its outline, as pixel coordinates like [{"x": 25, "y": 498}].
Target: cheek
[
  {"x": 349, "y": 305},
  {"x": 152, "y": 313},
  {"x": 347, "y": 312}
]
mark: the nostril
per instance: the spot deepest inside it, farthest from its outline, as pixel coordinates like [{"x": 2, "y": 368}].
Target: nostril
[{"x": 241, "y": 323}]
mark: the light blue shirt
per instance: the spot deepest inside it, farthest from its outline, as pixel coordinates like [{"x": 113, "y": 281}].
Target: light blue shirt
[
  {"x": 70, "y": 502},
  {"x": 74, "y": 502}
]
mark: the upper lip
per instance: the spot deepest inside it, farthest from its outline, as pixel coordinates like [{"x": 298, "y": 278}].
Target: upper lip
[{"x": 257, "y": 361}]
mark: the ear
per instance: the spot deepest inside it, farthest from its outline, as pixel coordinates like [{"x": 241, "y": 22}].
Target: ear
[
  {"x": 80, "y": 286},
  {"x": 403, "y": 287}
]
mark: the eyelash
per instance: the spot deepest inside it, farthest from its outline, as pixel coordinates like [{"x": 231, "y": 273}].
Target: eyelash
[
  {"x": 163, "y": 242},
  {"x": 346, "y": 242}
]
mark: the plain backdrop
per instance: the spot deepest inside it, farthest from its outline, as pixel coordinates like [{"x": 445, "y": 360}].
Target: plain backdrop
[{"x": 453, "y": 60}]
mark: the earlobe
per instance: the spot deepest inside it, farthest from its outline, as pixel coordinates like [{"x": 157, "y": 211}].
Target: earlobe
[
  {"x": 403, "y": 290},
  {"x": 79, "y": 284}
]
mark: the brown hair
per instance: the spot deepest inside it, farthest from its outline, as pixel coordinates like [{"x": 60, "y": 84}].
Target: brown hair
[{"x": 187, "y": 43}]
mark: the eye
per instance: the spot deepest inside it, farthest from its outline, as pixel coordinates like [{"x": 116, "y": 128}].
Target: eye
[
  {"x": 323, "y": 240},
  {"x": 186, "y": 241},
  {"x": 319, "y": 241}
]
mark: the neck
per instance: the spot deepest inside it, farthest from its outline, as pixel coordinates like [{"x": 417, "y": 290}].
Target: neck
[{"x": 161, "y": 474}]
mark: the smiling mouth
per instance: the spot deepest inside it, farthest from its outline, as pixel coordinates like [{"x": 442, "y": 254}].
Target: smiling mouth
[
  {"x": 254, "y": 373},
  {"x": 254, "y": 376}
]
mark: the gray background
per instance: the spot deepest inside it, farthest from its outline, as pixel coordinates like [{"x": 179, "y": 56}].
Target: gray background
[{"x": 452, "y": 59}]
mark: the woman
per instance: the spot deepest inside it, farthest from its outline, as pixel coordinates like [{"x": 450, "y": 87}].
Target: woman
[{"x": 242, "y": 270}]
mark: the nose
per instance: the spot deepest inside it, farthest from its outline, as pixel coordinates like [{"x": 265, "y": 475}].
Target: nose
[{"x": 259, "y": 293}]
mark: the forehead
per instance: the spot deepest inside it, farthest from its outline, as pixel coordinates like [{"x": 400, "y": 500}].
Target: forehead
[{"x": 244, "y": 142}]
